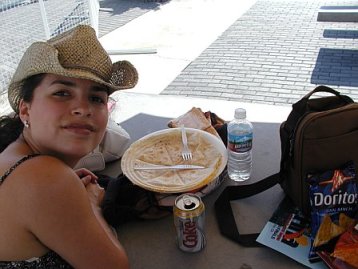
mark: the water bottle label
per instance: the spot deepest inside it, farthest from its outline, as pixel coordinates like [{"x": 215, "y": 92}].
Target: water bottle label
[{"x": 240, "y": 143}]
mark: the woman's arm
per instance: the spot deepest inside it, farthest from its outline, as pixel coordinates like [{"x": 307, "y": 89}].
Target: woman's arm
[
  {"x": 65, "y": 215},
  {"x": 95, "y": 194}
]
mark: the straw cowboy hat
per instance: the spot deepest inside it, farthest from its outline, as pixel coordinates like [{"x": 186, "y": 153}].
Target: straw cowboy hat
[{"x": 76, "y": 53}]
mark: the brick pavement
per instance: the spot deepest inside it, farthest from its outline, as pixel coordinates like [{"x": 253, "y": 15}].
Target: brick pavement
[{"x": 274, "y": 54}]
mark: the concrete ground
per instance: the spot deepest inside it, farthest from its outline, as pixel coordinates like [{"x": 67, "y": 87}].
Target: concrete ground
[
  {"x": 254, "y": 51},
  {"x": 178, "y": 32},
  {"x": 264, "y": 51}
]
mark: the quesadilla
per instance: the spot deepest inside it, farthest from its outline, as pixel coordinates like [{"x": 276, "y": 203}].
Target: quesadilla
[{"x": 164, "y": 148}]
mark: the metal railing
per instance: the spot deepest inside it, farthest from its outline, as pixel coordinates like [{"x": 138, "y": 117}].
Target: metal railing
[{"x": 23, "y": 22}]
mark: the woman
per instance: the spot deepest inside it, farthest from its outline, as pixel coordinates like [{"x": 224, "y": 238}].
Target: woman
[{"x": 50, "y": 215}]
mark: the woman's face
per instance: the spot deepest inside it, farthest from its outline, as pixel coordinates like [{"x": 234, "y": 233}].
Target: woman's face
[{"x": 67, "y": 116}]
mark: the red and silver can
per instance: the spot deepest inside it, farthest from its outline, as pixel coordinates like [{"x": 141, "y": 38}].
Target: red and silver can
[{"x": 189, "y": 220}]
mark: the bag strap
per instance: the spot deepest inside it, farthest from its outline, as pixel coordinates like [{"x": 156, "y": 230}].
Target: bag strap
[
  {"x": 322, "y": 88},
  {"x": 300, "y": 108},
  {"x": 225, "y": 216},
  {"x": 303, "y": 107}
]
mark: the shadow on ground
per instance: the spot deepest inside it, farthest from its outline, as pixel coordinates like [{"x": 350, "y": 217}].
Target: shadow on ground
[
  {"x": 116, "y": 13},
  {"x": 332, "y": 33},
  {"x": 116, "y": 7},
  {"x": 336, "y": 67}
]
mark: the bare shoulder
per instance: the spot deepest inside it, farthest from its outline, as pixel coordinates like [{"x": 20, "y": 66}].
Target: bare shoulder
[
  {"x": 42, "y": 172},
  {"x": 44, "y": 182},
  {"x": 47, "y": 188}
]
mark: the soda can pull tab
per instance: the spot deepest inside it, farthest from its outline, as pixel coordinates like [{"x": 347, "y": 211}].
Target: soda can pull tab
[{"x": 188, "y": 203}]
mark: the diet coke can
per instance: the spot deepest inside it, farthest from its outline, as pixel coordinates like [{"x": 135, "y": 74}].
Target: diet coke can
[{"x": 189, "y": 220}]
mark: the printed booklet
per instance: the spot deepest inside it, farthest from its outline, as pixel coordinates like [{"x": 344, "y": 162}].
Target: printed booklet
[{"x": 287, "y": 231}]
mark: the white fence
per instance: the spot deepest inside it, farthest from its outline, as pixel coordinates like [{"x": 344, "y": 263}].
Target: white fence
[{"x": 24, "y": 21}]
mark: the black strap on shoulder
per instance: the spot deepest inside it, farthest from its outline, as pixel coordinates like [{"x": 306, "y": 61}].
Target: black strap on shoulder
[
  {"x": 225, "y": 216},
  {"x": 12, "y": 168}
]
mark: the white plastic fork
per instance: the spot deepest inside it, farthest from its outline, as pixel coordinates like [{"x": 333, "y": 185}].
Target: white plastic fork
[{"x": 186, "y": 153}]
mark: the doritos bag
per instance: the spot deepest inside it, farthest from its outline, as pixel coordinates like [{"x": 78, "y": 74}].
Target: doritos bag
[
  {"x": 318, "y": 135},
  {"x": 334, "y": 204}
]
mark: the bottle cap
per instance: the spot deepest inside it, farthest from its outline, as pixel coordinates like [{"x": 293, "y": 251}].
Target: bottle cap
[{"x": 240, "y": 113}]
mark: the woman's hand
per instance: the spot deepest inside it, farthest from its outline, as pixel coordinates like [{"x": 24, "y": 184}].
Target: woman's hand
[
  {"x": 94, "y": 191},
  {"x": 95, "y": 194},
  {"x": 86, "y": 176}
]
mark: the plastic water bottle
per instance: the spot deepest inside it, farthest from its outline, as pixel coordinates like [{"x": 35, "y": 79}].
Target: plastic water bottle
[{"x": 240, "y": 135}]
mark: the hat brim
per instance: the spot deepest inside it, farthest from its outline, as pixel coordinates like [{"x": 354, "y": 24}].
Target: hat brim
[{"x": 124, "y": 74}]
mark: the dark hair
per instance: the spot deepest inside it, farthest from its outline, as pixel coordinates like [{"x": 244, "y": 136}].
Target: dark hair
[{"x": 11, "y": 126}]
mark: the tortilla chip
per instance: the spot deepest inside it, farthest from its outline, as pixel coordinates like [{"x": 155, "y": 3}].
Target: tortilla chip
[
  {"x": 327, "y": 231},
  {"x": 346, "y": 248},
  {"x": 345, "y": 221},
  {"x": 348, "y": 255}
]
